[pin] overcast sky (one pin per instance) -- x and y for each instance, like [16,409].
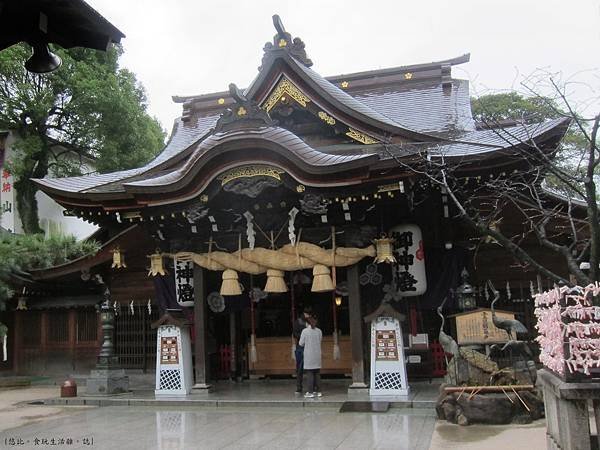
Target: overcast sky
[186,47]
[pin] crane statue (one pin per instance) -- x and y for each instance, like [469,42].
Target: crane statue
[511,326]
[446,341]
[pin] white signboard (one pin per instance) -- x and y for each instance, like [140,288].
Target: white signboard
[410,256]
[184,282]
[388,366]
[173,361]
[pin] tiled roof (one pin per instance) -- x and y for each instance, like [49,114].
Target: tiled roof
[479,142]
[427,108]
[437,107]
[182,137]
[296,146]
[345,98]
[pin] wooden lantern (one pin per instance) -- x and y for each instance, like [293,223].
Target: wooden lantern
[156,265]
[384,250]
[118,259]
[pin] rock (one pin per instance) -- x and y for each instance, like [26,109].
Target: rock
[489,408]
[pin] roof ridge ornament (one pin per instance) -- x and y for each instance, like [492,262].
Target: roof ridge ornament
[244,113]
[283,41]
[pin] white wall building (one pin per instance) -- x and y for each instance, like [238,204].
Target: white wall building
[50,213]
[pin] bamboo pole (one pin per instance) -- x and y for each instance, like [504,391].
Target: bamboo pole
[481,389]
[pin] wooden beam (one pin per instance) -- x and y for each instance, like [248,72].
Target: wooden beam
[356,329]
[200,368]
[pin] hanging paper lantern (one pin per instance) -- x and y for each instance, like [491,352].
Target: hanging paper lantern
[156,265]
[22,304]
[322,281]
[118,259]
[230,285]
[384,250]
[410,260]
[275,281]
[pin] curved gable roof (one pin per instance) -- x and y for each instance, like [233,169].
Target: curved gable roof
[290,146]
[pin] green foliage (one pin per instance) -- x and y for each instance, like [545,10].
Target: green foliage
[493,109]
[89,112]
[20,253]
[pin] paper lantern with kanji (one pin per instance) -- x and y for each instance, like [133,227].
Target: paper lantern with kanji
[410,259]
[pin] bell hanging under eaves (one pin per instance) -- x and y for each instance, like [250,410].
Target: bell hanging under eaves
[42,60]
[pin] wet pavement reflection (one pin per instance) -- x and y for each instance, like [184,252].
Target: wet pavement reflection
[164,428]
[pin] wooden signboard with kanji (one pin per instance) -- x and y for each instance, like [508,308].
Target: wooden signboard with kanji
[169,353]
[476,327]
[386,349]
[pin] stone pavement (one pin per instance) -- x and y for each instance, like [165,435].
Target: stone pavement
[447,436]
[263,393]
[164,426]
[15,410]
[184,428]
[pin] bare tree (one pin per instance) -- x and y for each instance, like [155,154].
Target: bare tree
[549,189]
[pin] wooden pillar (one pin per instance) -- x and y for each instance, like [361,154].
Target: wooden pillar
[200,368]
[44,338]
[356,329]
[72,321]
[18,343]
[233,346]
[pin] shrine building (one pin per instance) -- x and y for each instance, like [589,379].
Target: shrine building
[299,191]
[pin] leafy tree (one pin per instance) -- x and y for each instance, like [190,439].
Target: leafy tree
[89,112]
[20,253]
[512,106]
[496,109]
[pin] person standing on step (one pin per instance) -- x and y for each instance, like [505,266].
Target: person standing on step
[300,324]
[310,339]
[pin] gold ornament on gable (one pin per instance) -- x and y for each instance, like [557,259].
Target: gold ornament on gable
[283,88]
[250,171]
[326,118]
[360,137]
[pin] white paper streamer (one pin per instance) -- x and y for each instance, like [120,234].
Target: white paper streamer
[291,228]
[250,233]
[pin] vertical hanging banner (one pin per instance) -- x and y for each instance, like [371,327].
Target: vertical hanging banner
[184,282]
[410,257]
[7,201]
